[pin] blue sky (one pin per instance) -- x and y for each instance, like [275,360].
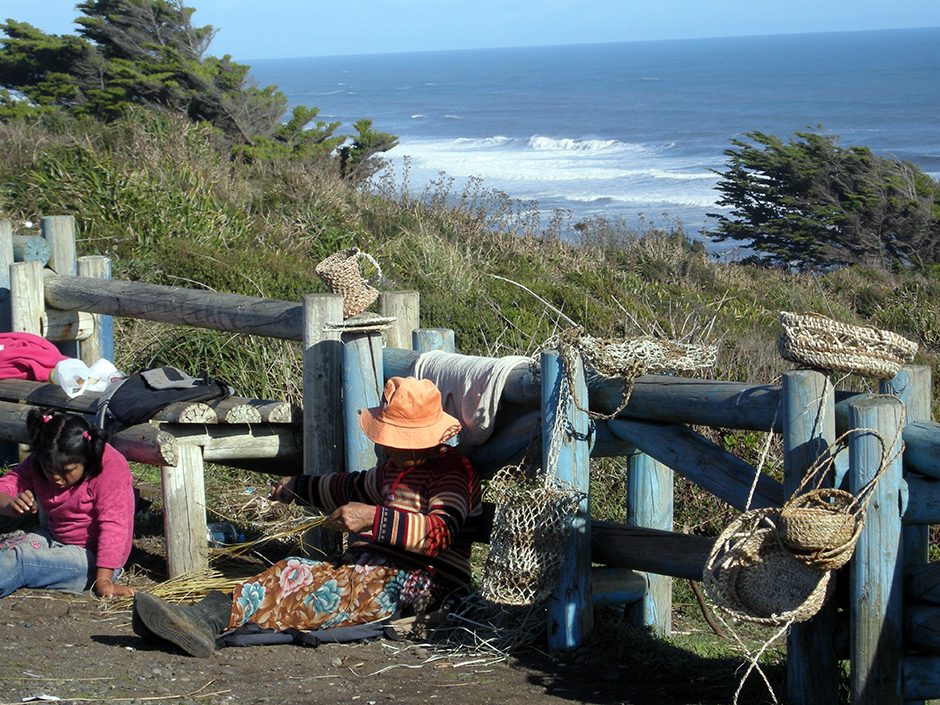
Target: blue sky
[262,29]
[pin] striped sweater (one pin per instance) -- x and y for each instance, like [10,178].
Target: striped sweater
[426,516]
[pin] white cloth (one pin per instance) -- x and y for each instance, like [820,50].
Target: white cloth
[470,386]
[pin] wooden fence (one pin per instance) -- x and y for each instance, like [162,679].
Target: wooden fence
[890,636]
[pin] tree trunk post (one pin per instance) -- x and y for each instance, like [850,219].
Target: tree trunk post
[809,429]
[59,231]
[404,307]
[323,398]
[101,344]
[26,298]
[566,457]
[875,627]
[650,505]
[362,389]
[184,512]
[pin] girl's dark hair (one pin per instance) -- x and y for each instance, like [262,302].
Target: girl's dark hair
[58,439]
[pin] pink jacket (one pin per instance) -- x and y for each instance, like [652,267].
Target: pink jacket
[97,514]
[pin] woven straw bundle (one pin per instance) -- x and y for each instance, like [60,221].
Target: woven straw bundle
[342,274]
[821,527]
[816,341]
[752,577]
[530,534]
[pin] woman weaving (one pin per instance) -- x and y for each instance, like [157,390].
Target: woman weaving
[416,514]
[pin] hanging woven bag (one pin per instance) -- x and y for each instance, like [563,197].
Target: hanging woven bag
[342,273]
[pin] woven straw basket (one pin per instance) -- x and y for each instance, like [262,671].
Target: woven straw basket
[752,577]
[821,527]
[816,341]
[342,274]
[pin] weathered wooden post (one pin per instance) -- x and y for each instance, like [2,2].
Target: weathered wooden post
[404,307]
[809,430]
[101,343]
[26,298]
[650,505]
[363,381]
[566,434]
[59,232]
[875,590]
[323,397]
[184,512]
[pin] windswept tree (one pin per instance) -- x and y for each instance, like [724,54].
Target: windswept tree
[148,52]
[810,202]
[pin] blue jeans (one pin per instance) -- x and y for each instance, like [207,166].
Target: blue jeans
[36,560]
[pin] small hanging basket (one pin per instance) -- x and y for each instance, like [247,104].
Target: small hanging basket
[821,527]
[342,274]
[752,577]
[820,342]
[530,535]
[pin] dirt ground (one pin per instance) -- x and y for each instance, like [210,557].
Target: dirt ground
[74,648]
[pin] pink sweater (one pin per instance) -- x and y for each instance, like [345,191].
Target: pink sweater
[97,514]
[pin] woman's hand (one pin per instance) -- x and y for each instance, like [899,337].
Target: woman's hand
[283,491]
[351,518]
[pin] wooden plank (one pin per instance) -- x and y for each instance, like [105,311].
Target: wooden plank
[922,448]
[235,410]
[178,305]
[566,457]
[922,626]
[147,443]
[261,410]
[875,569]
[27,391]
[706,464]
[921,677]
[612,585]
[59,232]
[227,443]
[66,326]
[650,550]
[404,307]
[809,429]
[186,412]
[923,500]
[31,248]
[922,582]
[507,446]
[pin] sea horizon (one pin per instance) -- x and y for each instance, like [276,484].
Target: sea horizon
[632,131]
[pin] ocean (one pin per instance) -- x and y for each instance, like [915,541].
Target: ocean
[626,131]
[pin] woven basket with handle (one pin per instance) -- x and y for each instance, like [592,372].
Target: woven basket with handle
[342,273]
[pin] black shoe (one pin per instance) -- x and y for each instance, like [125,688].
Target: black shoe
[191,627]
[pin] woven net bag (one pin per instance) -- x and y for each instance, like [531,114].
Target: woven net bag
[821,527]
[752,577]
[816,341]
[342,273]
[530,534]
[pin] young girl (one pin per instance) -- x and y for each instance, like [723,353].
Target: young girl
[84,488]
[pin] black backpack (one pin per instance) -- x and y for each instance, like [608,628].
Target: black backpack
[141,395]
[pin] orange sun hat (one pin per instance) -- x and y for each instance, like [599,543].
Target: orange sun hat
[410,417]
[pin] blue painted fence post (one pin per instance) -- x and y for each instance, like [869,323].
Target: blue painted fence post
[650,504]
[809,429]
[875,627]
[363,380]
[567,459]
[101,343]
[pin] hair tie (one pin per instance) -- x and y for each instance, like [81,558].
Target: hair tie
[46,418]
[86,435]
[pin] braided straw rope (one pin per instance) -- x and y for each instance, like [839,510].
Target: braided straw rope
[341,273]
[816,341]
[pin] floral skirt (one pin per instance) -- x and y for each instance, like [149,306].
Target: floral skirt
[306,594]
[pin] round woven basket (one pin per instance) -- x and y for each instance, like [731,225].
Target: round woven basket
[752,577]
[342,273]
[821,527]
[816,341]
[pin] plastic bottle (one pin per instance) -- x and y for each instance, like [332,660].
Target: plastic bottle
[223,533]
